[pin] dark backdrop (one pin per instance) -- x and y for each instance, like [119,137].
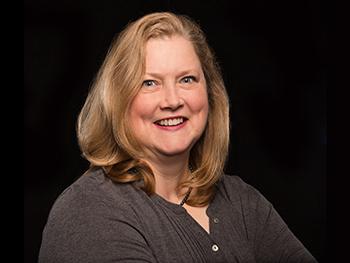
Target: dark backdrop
[272,55]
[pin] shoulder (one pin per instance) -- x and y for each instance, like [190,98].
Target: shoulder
[85,189]
[88,219]
[235,189]
[93,194]
[235,186]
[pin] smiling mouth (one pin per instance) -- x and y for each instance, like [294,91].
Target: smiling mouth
[170,122]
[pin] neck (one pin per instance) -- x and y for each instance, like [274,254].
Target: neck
[168,173]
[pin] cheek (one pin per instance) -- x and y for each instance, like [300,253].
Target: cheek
[135,112]
[141,109]
[199,103]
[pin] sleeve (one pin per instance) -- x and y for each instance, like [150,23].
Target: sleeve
[272,240]
[84,228]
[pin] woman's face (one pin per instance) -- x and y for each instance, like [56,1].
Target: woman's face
[169,113]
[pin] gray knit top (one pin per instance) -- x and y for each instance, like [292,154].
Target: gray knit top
[97,220]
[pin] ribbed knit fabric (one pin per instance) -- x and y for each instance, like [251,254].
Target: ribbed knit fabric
[97,220]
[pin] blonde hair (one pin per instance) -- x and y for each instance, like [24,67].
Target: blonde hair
[104,136]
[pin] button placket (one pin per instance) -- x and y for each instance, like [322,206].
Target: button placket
[214,246]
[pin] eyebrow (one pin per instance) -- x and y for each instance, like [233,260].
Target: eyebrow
[181,73]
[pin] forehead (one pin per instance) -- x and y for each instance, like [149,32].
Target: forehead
[170,53]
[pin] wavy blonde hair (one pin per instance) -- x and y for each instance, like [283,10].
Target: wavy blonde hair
[105,137]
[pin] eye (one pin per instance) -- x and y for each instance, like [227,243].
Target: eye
[188,79]
[148,83]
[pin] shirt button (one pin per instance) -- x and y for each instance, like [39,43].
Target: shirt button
[216,220]
[215,248]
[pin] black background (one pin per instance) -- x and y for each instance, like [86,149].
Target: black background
[272,55]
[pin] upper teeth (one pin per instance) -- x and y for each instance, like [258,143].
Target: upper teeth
[171,122]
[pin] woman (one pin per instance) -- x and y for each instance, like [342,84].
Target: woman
[155,128]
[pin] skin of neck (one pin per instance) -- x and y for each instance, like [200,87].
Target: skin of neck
[169,171]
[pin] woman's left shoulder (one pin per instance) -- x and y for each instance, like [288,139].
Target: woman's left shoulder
[233,183]
[237,189]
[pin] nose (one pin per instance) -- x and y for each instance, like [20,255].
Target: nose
[170,97]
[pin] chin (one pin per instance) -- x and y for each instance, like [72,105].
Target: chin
[173,148]
[174,151]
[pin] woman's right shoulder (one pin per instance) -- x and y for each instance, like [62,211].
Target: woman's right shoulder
[92,191]
[86,217]
[86,185]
